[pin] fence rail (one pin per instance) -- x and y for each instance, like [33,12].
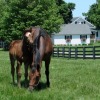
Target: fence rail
[90,52]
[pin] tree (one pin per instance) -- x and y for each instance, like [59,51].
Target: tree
[21,14]
[93,15]
[3,15]
[65,10]
[26,13]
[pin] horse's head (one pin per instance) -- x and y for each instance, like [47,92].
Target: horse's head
[34,77]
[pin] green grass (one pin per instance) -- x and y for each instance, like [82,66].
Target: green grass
[70,80]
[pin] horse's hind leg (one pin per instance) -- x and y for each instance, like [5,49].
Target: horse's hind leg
[47,72]
[18,72]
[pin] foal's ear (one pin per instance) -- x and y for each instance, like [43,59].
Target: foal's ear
[32,29]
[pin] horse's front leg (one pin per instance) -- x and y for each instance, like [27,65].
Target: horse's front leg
[18,72]
[47,72]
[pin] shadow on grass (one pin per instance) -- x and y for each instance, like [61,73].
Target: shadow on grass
[40,86]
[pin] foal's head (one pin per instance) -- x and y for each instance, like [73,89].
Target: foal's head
[27,37]
[31,34]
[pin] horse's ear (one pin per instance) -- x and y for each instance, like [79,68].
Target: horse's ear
[26,30]
[32,29]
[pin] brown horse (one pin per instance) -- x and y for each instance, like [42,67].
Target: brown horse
[15,53]
[41,47]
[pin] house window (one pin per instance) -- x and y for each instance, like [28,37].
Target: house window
[96,34]
[83,37]
[79,22]
[68,38]
[92,36]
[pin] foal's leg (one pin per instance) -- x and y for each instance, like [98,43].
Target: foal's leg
[26,73]
[18,72]
[47,72]
[12,69]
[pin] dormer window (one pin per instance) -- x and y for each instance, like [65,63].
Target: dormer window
[84,22]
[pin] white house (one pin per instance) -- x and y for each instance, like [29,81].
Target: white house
[77,32]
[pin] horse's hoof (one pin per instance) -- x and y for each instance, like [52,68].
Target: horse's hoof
[39,86]
[31,89]
[48,84]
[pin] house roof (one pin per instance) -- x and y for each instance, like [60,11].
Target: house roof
[74,18]
[79,19]
[70,29]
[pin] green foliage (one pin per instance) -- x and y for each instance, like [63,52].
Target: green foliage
[18,15]
[26,13]
[65,10]
[93,15]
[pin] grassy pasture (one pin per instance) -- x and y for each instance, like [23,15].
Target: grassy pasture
[70,80]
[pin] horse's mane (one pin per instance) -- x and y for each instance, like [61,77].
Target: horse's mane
[36,60]
[42,33]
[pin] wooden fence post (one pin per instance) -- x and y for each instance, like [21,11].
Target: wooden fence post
[69,52]
[83,52]
[76,52]
[93,52]
[63,51]
[53,52]
[57,51]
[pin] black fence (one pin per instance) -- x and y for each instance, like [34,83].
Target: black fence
[88,52]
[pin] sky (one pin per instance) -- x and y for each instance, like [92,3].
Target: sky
[81,6]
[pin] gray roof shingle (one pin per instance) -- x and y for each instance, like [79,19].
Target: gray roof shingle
[75,29]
